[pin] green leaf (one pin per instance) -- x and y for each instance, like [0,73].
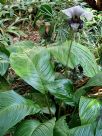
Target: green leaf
[35,128]
[85,130]
[61,127]
[99,128]
[40,99]
[3,1]
[33,67]
[4,63]
[15,31]
[89,110]
[78,93]
[95,81]
[21,46]
[14,108]
[62,89]
[46,10]
[79,55]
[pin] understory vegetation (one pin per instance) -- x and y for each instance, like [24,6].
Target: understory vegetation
[50,68]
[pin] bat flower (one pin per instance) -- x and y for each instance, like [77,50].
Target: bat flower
[75,13]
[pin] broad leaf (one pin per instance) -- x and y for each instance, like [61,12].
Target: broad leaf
[4,63]
[61,127]
[62,89]
[79,55]
[35,128]
[99,128]
[85,130]
[14,108]
[35,68]
[21,46]
[89,110]
[40,99]
[95,81]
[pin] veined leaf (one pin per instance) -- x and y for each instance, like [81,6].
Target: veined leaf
[21,46]
[35,68]
[79,55]
[99,128]
[15,31]
[46,10]
[4,63]
[85,130]
[89,110]
[95,81]
[35,128]
[61,127]
[62,89]
[13,108]
[40,99]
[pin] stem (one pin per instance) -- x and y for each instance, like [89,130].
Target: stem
[59,111]
[69,52]
[48,104]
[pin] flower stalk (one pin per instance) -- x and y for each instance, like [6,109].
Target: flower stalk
[69,52]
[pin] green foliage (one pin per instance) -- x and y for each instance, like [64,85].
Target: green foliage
[21,46]
[79,55]
[99,128]
[13,108]
[4,63]
[61,127]
[46,10]
[89,110]
[3,1]
[34,68]
[85,130]
[54,79]
[94,81]
[35,128]
[62,89]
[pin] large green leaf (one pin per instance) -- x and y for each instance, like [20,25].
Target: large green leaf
[89,110]
[62,89]
[21,46]
[4,63]
[35,128]
[34,67]
[14,108]
[85,130]
[79,55]
[93,129]
[95,81]
[61,127]
[99,128]
[40,99]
